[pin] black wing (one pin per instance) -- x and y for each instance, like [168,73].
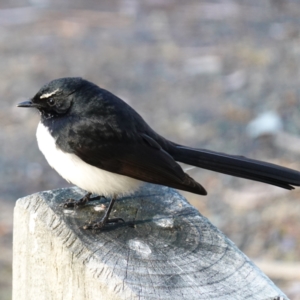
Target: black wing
[132,154]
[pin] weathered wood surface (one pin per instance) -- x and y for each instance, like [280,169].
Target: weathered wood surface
[172,253]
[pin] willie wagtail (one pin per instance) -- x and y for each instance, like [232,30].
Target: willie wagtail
[96,141]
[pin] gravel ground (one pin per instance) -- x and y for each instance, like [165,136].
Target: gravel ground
[198,71]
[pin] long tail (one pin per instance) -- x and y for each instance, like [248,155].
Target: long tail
[238,166]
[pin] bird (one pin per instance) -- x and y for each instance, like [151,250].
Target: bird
[96,141]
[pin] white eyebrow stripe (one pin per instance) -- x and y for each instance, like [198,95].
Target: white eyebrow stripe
[47,95]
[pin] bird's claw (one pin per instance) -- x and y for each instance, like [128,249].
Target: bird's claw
[71,203]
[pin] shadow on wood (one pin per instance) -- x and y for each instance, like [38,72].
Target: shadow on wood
[172,252]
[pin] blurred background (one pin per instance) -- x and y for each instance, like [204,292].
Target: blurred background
[222,75]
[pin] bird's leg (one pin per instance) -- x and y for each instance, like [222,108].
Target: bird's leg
[105,219]
[81,202]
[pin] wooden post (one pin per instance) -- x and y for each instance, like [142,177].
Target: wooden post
[172,252]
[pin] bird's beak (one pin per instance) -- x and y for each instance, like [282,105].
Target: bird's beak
[26,104]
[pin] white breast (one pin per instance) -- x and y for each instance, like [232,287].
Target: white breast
[76,171]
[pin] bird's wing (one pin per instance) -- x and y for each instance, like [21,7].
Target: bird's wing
[137,156]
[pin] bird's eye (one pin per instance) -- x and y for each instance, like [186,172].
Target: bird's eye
[51,101]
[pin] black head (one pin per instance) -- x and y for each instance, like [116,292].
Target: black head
[55,98]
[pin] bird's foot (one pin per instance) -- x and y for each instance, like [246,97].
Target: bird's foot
[72,203]
[105,219]
[99,225]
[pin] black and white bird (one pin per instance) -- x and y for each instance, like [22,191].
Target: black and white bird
[96,141]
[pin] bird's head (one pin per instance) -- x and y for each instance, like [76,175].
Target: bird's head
[55,98]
